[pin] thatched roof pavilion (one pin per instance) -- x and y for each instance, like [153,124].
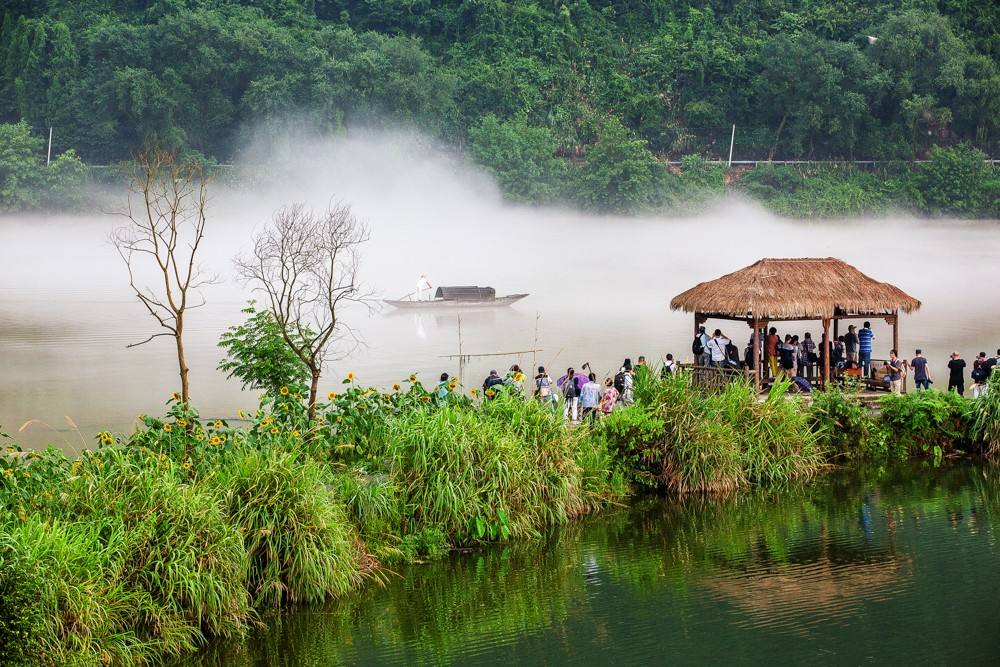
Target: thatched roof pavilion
[770,290]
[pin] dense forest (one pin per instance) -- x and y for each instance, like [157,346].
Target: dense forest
[579,100]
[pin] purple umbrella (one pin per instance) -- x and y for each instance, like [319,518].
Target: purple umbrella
[578,378]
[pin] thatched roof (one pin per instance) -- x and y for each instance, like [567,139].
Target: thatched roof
[794,288]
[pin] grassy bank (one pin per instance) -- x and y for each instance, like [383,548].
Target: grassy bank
[184,530]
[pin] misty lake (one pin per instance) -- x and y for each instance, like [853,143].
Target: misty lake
[599,287]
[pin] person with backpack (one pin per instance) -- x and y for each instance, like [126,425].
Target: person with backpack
[786,355]
[716,348]
[980,373]
[698,348]
[809,354]
[669,367]
[571,395]
[543,388]
[956,374]
[866,338]
[491,385]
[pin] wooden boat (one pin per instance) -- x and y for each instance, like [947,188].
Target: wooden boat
[463,296]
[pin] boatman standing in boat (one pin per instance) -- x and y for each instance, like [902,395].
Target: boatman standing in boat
[422,285]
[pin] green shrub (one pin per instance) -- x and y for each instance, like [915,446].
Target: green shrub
[846,427]
[927,422]
[301,545]
[986,417]
[688,441]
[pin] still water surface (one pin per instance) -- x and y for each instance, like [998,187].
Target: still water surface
[861,567]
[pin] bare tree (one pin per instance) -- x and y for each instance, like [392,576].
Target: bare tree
[306,263]
[159,244]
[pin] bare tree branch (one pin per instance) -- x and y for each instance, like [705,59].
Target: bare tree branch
[306,264]
[164,230]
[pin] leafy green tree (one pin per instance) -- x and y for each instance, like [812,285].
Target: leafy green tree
[619,174]
[957,180]
[521,157]
[258,356]
[25,181]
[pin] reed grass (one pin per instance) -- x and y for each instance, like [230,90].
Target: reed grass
[299,541]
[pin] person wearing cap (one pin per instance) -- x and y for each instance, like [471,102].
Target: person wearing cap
[956,377]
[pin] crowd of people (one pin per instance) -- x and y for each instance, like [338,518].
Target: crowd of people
[585,398]
[850,355]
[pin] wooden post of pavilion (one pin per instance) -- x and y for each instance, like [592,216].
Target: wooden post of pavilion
[826,352]
[756,354]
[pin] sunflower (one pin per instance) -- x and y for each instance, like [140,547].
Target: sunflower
[181,422]
[412,379]
[177,396]
[215,440]
[168,427]
[283,391]
[395,387]
[186,465]
[452,386]
[425,399]
[350,376]
[490,393]
[519,377]
[332,395]
[218,423]
[199,437]
[274,430]
[295,434]
[339,419]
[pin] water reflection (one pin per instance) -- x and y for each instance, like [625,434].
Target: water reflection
[897,566]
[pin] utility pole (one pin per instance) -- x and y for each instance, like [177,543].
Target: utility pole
[48,158]
[732,139]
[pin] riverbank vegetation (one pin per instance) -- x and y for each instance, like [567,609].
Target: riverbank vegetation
[577,102]
[184,530]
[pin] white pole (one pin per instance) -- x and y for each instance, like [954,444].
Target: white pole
[48,158]
[731,140]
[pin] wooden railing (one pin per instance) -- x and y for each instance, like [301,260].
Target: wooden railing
[714,379]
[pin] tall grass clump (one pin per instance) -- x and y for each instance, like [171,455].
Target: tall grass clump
[300,543]
[688,441]
[986,417]
[504,471]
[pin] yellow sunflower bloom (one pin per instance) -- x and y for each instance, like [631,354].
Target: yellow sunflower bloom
[274,431]
[395,387]
[215,440]
[332,395]
[218,423]
[295,434]
[199,437]
[283,391]
[168,427]
[181,422]
[412,379]
[350,376]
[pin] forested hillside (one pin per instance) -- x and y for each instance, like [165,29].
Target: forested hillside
[579,100]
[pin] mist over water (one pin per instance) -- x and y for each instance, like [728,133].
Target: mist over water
[600,286]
